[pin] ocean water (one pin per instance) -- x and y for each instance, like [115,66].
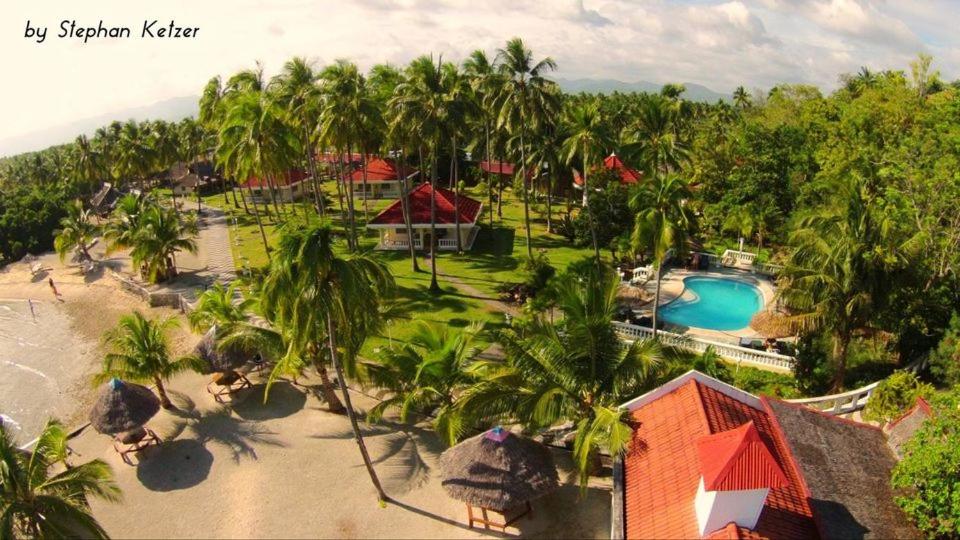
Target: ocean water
[714,304]
[41,366]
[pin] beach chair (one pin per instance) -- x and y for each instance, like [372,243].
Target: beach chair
[226,384]
[35,268]
[133,441]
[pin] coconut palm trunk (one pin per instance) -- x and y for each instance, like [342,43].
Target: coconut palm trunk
[351,211]
[366,193]
[434,285]
[329,390]
[486,129]
[656,296]
[456,193]
[405,206]
[523,184]
[164,399]
[358,435]
[586,203]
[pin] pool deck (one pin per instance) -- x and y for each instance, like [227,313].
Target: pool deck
[672,288]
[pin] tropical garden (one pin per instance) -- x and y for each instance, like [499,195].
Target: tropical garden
[852,193]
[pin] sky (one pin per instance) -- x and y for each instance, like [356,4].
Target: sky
[720,44]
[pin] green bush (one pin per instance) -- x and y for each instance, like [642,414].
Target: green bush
[927,480]
[945,359]
[894,395]
[767,383]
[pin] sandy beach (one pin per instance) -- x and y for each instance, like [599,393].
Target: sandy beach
[47,361]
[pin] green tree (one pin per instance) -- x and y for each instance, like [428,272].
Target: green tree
[140,352]
[220,306]
[576,370]
[76,232]
[40,498]
[159,236]
[319,297]
[425,374]
[927,481]
[894,395]
[587,136]
[741,98]
[523,101]
[664,222]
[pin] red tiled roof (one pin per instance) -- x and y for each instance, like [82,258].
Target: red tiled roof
[662,471]
[380,170]
[420,208]
[292,176]
[737,459]
[498,167]
[334,157]
[614,163]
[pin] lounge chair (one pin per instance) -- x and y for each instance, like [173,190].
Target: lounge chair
[133,441]
[36,267]
[226,384]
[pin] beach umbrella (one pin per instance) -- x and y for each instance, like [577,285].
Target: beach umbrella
[123,406]
[218,359]
[498,470]
[772,324]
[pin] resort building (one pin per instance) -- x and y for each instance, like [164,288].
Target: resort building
[497,167]
[187,179]
[393,232]
[708,460]
[105,199]
[288,187]
[382,179]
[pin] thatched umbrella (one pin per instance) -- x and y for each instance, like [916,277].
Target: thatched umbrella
[218,359]
[773,324]
[498,470]
[632,297]
[122,407]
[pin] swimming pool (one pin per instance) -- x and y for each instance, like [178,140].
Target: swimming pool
[716,304]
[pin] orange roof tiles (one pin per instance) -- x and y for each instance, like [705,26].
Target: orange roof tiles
[737,459]
[662,471]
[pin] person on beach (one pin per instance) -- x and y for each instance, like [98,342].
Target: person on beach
[53,288]
[32,312]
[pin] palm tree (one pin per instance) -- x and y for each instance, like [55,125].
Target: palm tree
[425,375]
[76,232]
[125,222]
[663,223]
[297,90]
[523,100]
[89,164]
[319,297]
[484,82]
[420,101]
[218,306]
[42,497]
[656,137]
[844,261]
[400,135]
[741,98]
[576,370]
[588,137]
[189,147]
[159,236]
[140,352]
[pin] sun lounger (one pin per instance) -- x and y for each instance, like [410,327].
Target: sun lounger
[36,267]
[133,441]
[226,384]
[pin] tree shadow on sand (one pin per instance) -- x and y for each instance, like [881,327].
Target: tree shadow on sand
[174,465]
[283,400]
[403,454]
[239,437]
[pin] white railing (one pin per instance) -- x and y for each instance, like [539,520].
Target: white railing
[732,257]
[389,243]
[447,243]
[642,273]
[714,259]
[767,269]
[851,400]
[727,351]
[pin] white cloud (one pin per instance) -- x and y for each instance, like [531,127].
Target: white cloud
[721,44]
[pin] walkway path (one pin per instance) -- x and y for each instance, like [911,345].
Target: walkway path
[213,261]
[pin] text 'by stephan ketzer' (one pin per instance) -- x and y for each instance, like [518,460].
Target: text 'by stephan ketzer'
[71,29]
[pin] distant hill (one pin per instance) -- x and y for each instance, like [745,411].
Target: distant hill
[171,110]
[695,92]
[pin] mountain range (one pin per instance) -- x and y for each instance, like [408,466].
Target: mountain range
[175,109]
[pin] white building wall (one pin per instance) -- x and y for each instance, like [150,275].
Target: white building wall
[715,509]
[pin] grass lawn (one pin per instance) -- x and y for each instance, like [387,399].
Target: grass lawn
[496,257]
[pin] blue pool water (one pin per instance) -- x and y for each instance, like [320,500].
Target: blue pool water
[717,304]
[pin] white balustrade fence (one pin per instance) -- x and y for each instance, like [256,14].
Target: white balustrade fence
[727,351]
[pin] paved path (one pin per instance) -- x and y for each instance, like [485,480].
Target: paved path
[213,261]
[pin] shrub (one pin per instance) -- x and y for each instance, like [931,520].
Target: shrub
[927,480]
[894,395]
[538,271]
[767,383]
[945,359]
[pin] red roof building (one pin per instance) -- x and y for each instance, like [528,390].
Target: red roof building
[711,461]
[291,177]
[382,179]
[393,231]
[287,186]
[498,167]
[614,163]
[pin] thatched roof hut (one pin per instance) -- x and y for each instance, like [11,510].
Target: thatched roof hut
[218,359]
[633,297]
[498,470]
[123,406]
[773,324]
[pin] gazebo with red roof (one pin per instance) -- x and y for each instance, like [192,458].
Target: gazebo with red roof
[383,179]
[393,233]
[613,162]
